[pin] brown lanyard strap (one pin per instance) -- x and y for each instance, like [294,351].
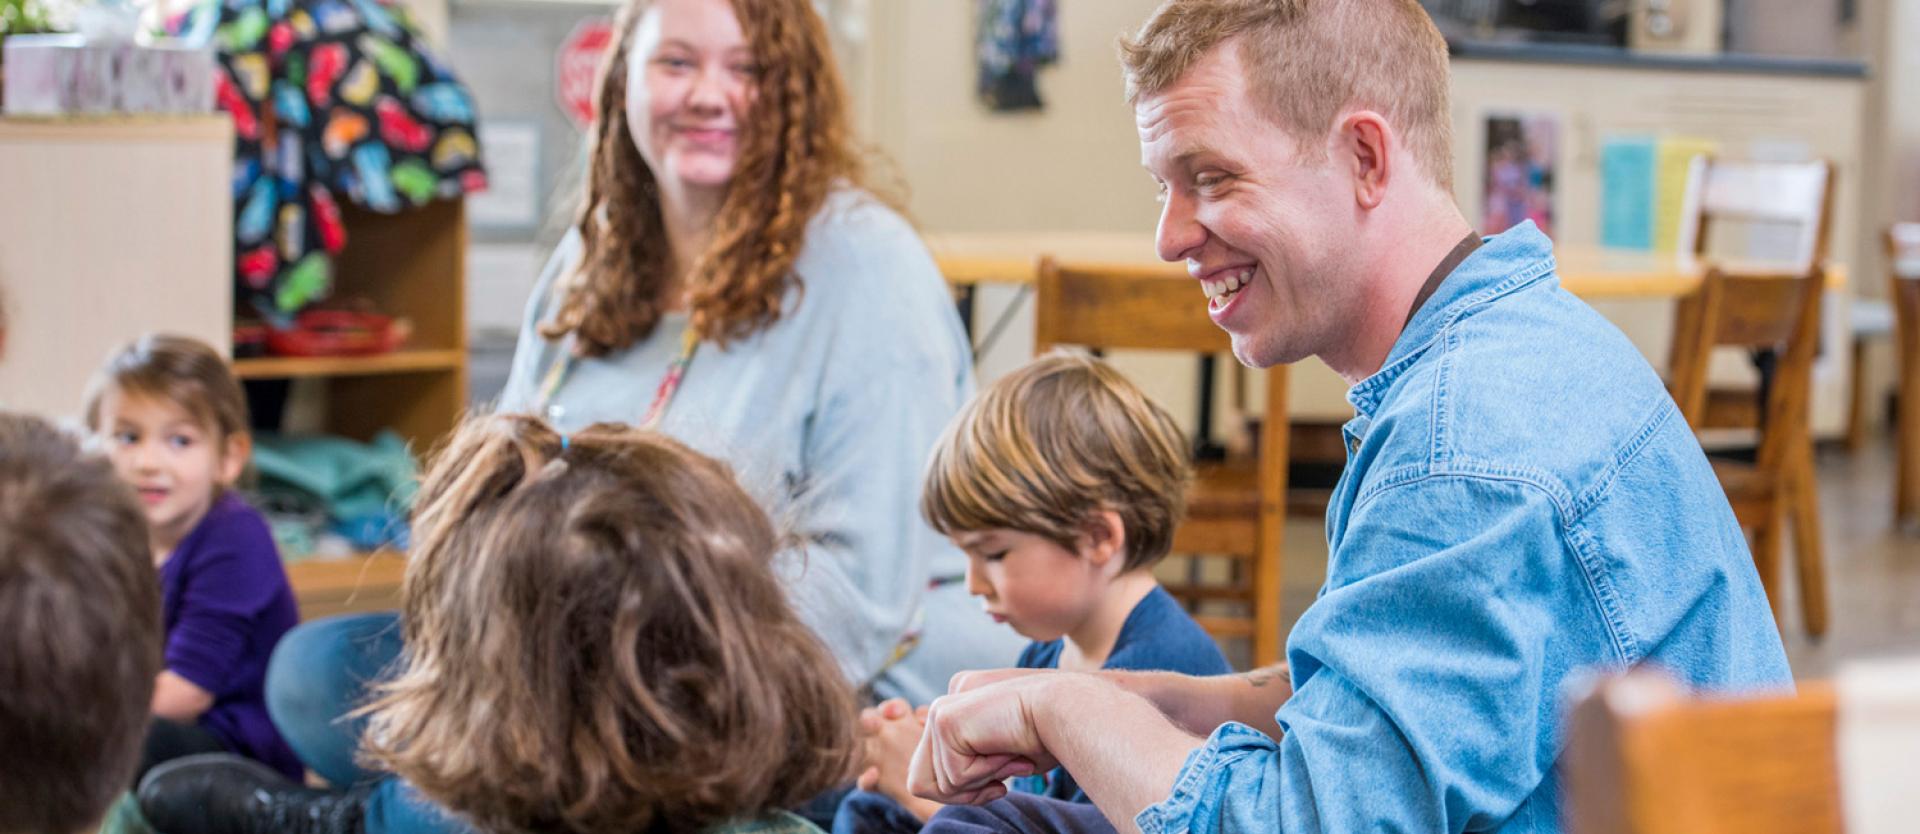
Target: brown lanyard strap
[1439,275]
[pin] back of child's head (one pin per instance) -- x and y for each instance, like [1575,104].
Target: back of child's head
[597,642]
[79,631]
[1046,447]
[175,369]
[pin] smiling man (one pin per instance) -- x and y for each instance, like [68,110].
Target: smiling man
[1522,500]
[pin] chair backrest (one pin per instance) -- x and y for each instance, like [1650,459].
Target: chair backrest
[1799,194]
[1644,757]
[1123,307]
[1903,284]
[1136,308]
[1777,312]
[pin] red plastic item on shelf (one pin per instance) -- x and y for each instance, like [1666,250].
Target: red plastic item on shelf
[338,333]
[249,340]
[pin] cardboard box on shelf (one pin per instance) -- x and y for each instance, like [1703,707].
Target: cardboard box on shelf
[53,75]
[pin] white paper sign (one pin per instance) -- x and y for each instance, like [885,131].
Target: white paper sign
[512,198]
[1879,746]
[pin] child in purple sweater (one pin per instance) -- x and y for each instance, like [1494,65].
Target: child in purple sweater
[174,422]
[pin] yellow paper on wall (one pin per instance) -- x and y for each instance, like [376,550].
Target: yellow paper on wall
[1672,156]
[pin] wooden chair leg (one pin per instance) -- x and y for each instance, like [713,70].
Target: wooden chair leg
[1902,474]
[1857,410]
[1266,585]
[1808,555]
[1766,558]
[1907,445]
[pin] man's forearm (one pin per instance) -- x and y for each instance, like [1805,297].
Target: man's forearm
[1119,747]
[1199,705]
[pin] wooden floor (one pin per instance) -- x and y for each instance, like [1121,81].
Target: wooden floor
[1873,570]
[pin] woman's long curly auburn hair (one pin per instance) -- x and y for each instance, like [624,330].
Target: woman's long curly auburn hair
[596,642]
[795,146]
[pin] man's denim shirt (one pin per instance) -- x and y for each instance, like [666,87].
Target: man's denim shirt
[1522,502]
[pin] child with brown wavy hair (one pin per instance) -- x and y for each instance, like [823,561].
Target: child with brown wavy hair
[596,643]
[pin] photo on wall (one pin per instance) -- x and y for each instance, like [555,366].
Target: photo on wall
[1521,162]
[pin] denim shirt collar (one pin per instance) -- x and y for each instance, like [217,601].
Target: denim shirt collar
[1505,262]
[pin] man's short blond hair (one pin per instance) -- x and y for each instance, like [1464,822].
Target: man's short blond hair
[1047,447]
[1310,59]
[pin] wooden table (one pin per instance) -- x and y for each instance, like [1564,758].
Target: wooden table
[1591,273]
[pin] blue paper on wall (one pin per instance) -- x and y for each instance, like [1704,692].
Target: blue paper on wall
[1626,193]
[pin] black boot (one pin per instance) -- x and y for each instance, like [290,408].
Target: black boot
[219,793]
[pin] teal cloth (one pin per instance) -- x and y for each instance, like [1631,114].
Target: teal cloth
[123,817]
[347,478]
[775,822]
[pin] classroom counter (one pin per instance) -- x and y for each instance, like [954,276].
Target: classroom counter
[1596,55]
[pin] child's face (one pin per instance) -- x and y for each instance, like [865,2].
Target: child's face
[1043,590]
[173,461]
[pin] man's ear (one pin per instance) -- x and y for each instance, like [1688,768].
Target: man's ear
[1366,147]
[1103,539]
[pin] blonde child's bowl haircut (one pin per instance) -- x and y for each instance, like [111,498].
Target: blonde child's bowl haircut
[1046,447]
[596,642]
[175,369]
[1310,59]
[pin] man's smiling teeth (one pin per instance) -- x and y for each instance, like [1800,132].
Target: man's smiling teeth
[1217,289]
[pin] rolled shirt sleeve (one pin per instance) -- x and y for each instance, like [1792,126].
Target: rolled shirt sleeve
[1426,676]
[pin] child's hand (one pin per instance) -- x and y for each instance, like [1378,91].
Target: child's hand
[892,731]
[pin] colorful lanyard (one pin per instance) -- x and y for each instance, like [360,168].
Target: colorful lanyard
[558,372]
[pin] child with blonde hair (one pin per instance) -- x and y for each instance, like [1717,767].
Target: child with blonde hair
[174,422]
[1063,483]
[596,644]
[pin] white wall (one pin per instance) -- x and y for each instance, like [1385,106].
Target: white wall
[83,274]
[1073,166]
[1077,162]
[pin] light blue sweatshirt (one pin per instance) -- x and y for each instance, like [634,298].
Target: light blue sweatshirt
[827,417]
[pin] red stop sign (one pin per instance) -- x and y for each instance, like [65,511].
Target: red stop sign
[577,68]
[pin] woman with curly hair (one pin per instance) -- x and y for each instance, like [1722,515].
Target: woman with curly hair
[730,282]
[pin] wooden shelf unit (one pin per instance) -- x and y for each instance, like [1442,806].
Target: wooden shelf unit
[405,360]
[363,582]
[410,265]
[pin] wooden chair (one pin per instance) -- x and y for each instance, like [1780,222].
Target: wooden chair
[1643,757]
[1729,194]
[1903,290]
[1779,313]
[1775,314]
[1236,508]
